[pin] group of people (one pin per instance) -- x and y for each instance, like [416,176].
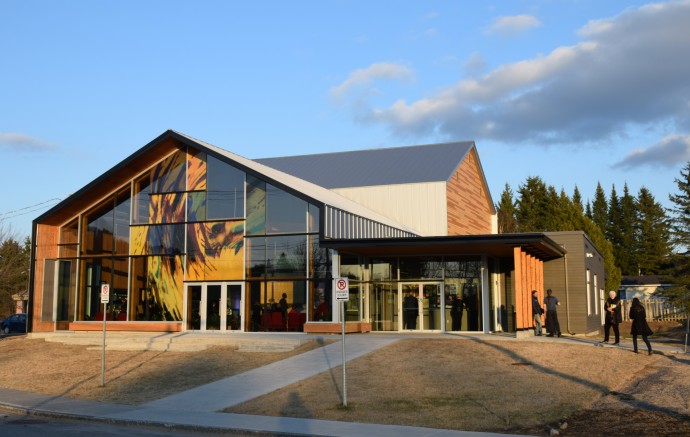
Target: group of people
[612,318]
[551,303]
[637,315]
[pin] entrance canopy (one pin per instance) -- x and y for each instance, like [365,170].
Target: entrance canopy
[498,245]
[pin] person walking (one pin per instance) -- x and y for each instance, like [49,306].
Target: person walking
[638,316]
[551,303]
[537,311]
[612,309]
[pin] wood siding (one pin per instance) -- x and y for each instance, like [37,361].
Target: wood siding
[468,200]
[46,248]
[529,275]
[113,181]
[421,207]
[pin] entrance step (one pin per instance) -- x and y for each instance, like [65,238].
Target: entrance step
[175,342]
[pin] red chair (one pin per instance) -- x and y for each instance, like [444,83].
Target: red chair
[275,323]
[122,316]
[294,321]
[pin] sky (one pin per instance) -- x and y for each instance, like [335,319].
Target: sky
[576,92]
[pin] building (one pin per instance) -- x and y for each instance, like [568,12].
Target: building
[188,236]
[643,287]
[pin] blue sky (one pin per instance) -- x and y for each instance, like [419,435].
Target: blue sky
[575,92]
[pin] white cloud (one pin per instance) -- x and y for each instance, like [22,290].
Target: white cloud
[512,25]
[629,71]
[666,153]
[365,76]
[23,143]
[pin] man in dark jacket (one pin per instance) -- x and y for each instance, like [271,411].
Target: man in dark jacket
[551,303]
[537,311]
[612,311]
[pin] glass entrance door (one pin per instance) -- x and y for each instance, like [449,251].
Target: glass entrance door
[383,307]
[214,306]
[421,306]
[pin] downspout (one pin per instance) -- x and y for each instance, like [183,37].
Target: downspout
[567,293]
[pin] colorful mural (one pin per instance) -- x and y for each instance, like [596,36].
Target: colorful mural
[215,251]
[196,170]
[256,206]
[169,175]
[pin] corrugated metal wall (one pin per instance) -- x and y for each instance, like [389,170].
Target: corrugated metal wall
[340,224]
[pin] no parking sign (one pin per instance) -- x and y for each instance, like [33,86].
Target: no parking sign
[342,289]
[105,293]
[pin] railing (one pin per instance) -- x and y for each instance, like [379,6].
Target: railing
[656,310]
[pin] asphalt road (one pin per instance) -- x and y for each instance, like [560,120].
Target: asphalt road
[36,426]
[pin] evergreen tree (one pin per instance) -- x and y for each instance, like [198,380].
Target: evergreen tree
[600,208]
[653,242]
[571,212]
[596,234]
[505,211]
[577,200]
[680,237]
[556,211]
[532,206]
[680,221]
[625,246]
[612,230]
[14,270]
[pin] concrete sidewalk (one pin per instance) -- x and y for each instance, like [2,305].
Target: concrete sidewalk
[196,409]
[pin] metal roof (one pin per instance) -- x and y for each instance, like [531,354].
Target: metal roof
[363,168]
[307,188]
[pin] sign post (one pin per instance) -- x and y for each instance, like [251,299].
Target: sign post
[342,295]
[105,298]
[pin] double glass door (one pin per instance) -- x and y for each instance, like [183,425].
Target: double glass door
[421,306]
[214,306]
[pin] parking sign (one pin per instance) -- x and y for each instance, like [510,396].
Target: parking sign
[105,293]
[342,289]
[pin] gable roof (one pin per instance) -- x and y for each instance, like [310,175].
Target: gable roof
[118,175]
[363,168]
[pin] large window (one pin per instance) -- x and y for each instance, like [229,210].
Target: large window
[69,240]
[99,227]
[121,222]
[225,190]
[277,257]
[285,213]
[169,175]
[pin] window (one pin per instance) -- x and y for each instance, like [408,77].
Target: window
[225,190]
[285,213]
[588,289]
[169,175]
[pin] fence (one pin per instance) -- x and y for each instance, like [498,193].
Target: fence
[656,310]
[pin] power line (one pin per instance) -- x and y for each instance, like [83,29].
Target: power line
[29,209]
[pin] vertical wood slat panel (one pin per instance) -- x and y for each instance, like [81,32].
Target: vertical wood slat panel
[46,248]
[517,281]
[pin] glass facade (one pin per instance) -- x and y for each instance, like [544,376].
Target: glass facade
[431,293]
[194,218]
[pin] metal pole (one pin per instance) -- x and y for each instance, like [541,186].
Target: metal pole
[342,319]
[103,354]
[687,329]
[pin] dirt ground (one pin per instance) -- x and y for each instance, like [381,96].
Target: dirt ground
[130,377]
[484,385]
